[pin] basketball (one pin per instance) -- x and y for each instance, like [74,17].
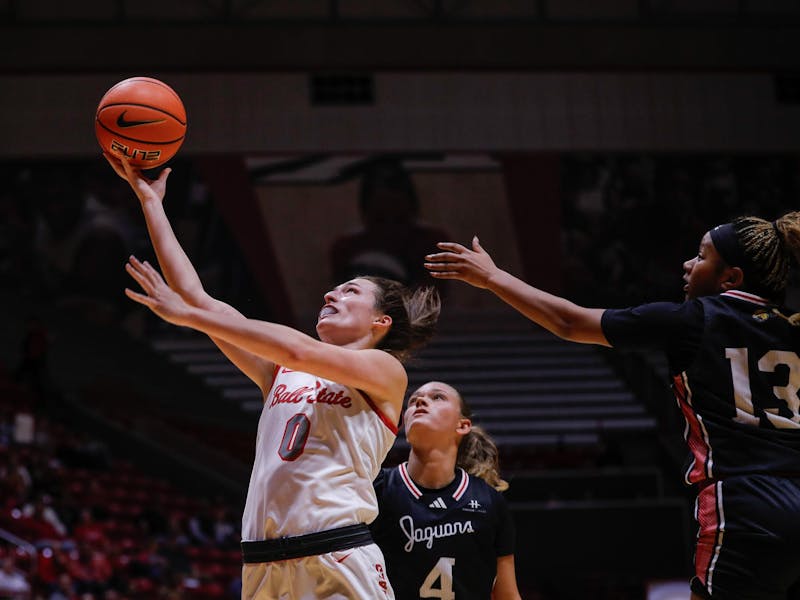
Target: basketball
[142,119]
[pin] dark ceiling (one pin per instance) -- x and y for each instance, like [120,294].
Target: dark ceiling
[244,35]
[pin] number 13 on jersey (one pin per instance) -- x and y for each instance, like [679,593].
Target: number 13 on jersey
[783,414]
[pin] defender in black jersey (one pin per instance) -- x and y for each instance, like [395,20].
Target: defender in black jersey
[443,532]
[735,365]
[734,360]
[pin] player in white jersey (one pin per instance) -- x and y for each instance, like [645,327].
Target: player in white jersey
[329,417]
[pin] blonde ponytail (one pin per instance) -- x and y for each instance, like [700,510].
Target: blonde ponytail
[478,456]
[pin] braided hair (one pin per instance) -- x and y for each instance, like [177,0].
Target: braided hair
[771,249]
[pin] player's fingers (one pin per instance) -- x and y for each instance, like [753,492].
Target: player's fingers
[440,266]
[140,298]
[139,265]
[126,165]
[476,244]
[119,167]
[144,268]
[135,263]
[152,273]
[440,257]
[135,270]
[116,165]
[444,274]
[162,177]
[132,172]
[451,246]
[139,276]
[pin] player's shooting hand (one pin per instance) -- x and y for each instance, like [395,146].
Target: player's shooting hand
[147,190]
[474,266]
[158,296]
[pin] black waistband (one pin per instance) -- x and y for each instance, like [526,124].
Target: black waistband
[310,544]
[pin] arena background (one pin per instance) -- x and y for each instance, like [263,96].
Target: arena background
[586,142]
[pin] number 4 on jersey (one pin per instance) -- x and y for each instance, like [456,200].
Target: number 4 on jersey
[442,572]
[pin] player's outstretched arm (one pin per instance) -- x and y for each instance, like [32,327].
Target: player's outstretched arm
[175,264]
[178,270]
[505,584]
[374,371]
[558,315]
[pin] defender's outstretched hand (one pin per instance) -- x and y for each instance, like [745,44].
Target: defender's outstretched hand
[474,266]
[158,296]
[147,190]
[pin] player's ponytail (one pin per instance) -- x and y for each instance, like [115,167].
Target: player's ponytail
[478,456]
[477,453]
[788,228]
[769,249]
[414,315]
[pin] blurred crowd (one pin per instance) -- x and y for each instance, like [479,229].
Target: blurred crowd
[77,524]
[67,228]
[631,220]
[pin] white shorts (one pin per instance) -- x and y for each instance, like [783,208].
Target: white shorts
[353,574]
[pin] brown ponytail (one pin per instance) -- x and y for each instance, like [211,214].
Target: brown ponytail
[414,315]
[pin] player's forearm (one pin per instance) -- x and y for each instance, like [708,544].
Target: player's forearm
[178,270]
[542,308]
[277,343]
[558,315]
[505,584]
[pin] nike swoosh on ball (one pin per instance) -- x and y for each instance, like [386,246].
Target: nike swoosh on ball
[123,123]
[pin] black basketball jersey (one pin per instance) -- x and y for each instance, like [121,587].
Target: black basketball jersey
[441,543]
[735,373]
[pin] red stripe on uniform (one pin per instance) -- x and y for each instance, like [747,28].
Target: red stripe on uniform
[275,371]
[462,487]
[711,527]
[695,436]
[392,427]
[412,487]
[746,296]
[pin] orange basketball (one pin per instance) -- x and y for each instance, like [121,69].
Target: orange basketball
[143,119]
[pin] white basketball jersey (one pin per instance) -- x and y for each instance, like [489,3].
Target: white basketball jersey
[319,447]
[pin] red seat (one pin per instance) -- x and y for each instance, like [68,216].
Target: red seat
[141,585]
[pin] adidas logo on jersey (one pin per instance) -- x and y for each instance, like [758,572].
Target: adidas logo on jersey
[438,503]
